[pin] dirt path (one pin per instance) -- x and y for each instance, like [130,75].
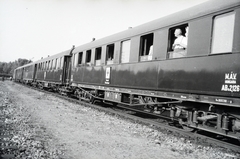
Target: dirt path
[72,131]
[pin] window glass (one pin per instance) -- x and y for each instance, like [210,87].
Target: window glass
[61,63]
[125,51]
[73,60]
[222,38]
[56,64]
[76,60]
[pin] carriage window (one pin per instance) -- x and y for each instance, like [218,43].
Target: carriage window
[146,47]
[61,63]
[110,54]
[73,60]
[53,64]
[49,65]
[178,38]
[57,63]
[98,54]
[80,54]
[222,38]
[46,65]
[56,60]
[125,51]
[88,56]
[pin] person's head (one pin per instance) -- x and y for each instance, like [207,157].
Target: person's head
[186,34]
[178,32]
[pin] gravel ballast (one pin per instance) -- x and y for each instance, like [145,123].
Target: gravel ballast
[45,126]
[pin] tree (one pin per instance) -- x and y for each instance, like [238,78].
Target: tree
[8,68]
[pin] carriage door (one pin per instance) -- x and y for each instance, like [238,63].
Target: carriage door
[66,70]
[22,73]
[35,71]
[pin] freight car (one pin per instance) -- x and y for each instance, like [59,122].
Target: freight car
[195,83]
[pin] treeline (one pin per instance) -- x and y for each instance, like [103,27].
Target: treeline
[8,68]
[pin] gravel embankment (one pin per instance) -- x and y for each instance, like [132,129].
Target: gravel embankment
[44,126]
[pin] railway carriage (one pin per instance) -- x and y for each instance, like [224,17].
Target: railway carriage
[197,86]
[25,74]
[17,75]
[53,71]
[138,68]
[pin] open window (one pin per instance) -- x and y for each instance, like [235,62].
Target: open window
[177,42]
[98,54]
[80,55]
[223,29]
[88,56]
[48,65]
[146,47]
[110,54]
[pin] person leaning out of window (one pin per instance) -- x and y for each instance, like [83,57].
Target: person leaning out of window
[180,43]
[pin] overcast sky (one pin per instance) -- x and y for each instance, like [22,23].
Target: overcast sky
[32,29]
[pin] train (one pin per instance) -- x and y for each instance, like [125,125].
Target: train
[197,85]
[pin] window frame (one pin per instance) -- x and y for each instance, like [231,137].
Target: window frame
[216,35]
[110,50]
[88,56]
[129,50]
[172,38]
[146,43]
[80,58]
[98,57]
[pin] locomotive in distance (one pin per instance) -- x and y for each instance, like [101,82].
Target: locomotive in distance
[184,66]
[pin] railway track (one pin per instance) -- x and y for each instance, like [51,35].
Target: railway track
[157,123]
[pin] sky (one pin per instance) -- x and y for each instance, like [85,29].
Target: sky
[31,29]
